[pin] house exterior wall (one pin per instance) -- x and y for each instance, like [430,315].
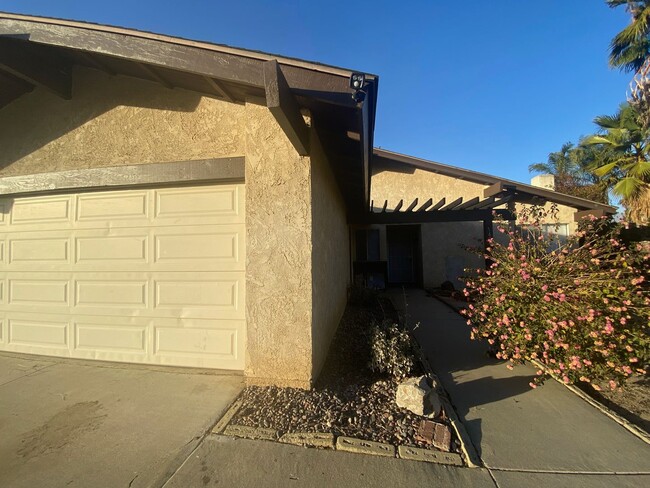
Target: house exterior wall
[295,289]
[113,121]
[279,246]
[330,255]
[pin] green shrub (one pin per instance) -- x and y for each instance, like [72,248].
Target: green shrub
[582,309]
[392,350]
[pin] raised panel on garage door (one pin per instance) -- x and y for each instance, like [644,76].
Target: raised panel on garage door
[148,276]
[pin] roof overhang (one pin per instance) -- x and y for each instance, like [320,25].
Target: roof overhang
[36,51]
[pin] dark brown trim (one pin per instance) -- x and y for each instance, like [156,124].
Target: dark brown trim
[425,217]
[578,216]
[284,107]
[219,169]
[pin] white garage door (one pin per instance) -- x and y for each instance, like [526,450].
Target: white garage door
[146,276]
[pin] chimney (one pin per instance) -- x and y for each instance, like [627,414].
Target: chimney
[544,181]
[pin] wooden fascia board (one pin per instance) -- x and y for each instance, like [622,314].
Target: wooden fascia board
[427,217]
[22,61]
[220,169]
[330,86]
[284,107]
[598,213]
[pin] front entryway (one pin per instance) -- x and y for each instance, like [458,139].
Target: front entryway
[404,255]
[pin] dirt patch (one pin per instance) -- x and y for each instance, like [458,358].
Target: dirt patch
[632,401]
[348,399]
[62,429]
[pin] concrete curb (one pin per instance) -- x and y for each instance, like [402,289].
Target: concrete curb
[309,439]
[360,446]
[417,454]
[227,417]
[633,429]
[255,433]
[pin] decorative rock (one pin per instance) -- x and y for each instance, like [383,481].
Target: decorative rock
[415,395]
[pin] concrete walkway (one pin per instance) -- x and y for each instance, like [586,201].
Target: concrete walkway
[525,437]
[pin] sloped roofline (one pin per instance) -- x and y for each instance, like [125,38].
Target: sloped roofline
[222,48]
[486,179]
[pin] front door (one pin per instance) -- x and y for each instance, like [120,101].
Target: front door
[403,254]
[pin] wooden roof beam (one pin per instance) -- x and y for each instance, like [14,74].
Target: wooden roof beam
[154,75]
[284,107]
[452,205]
[412,206]
[24,62]
[438,205]
[425,205]
[425,217]
[498,189]
[92,59]
[219,88]
[12,88]
[468,204]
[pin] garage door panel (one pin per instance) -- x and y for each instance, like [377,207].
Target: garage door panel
[202,341]
[217,247]
[111,337]
[114,293]
[150,276]
[41,210]
[224,203]
[108,206]
[38,332]
[39,250]
[109,250]
[38,293]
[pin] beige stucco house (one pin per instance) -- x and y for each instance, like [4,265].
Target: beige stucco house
[172,202]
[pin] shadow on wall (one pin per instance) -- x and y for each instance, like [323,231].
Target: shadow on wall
[39,118]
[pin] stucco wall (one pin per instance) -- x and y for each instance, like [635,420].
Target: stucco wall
[279,255]
[444,258]
[330,256]
[399,181]
[114,121]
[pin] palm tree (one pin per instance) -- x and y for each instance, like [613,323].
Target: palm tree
[630,48]
[625,144]
[571,167]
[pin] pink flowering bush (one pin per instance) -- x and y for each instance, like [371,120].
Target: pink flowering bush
[581,308]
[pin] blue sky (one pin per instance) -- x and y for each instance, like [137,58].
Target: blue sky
[488,85]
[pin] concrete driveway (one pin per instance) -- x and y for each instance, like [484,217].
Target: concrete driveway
[79,423]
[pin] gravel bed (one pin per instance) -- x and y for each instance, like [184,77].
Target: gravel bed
[348,399]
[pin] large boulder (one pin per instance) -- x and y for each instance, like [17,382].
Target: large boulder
[419,397]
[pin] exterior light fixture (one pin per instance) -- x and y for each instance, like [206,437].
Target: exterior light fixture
[357,82]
